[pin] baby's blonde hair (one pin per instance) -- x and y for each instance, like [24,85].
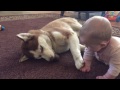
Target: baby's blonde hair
[97,28]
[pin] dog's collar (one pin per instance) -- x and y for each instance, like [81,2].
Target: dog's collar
[52,39]
[50,36]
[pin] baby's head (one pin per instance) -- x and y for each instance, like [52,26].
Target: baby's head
[96,33]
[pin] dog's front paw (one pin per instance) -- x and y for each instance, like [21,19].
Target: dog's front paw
[79,64]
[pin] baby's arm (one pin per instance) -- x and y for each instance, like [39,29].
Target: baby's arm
[87,58]
[112,72]
[106,76]
[114,66]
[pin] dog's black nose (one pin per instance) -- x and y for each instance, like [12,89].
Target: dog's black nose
[54,58]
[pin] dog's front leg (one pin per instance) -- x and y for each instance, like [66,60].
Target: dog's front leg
[75,50]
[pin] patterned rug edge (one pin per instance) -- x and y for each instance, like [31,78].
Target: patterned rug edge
[28,16]
[116,31]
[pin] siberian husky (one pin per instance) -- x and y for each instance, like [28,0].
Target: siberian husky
[56,37]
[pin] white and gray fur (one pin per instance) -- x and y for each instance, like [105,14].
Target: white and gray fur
[56,37]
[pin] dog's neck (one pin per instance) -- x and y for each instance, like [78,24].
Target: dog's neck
[52,40]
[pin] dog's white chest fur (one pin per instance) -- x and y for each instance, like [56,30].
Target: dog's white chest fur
[60,43]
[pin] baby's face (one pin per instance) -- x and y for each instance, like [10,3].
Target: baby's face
[91,45]
[94,47]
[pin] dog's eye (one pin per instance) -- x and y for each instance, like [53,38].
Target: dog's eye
[41,48]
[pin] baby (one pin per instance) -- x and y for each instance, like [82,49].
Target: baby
[96,35]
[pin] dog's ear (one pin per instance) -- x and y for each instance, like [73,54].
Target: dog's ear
[25,36]
[23,58]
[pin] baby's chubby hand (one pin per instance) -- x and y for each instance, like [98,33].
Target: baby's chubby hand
[85,69]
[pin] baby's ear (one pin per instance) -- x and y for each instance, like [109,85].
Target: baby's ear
[25,36]
[104,43]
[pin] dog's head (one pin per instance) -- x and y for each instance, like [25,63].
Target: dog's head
[36,44]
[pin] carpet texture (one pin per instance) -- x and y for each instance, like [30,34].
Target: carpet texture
[10,52]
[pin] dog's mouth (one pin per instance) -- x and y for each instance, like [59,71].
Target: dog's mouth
[56,58]
[52,59]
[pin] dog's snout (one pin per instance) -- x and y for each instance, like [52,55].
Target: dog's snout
[55,58]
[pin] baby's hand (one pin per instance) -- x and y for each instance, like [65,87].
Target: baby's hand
[101,77]
[106,76]
[85,68]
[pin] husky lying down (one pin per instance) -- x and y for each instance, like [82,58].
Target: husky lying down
[56,37]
